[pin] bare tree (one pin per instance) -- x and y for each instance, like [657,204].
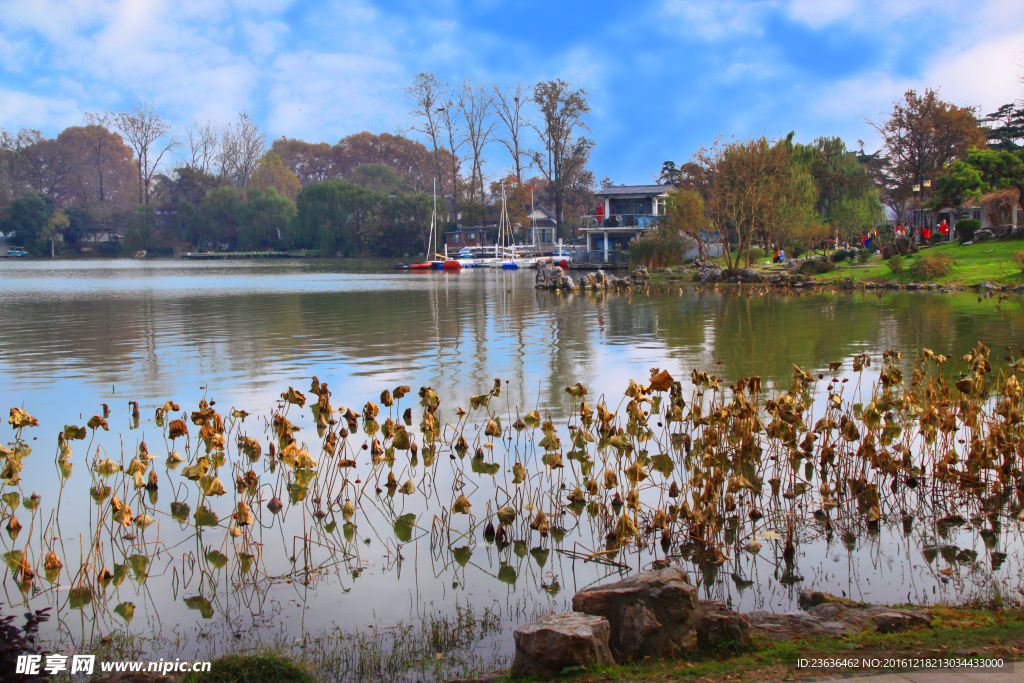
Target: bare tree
[453,134]
[240,148]
[428,94]
[99,123]
[563,157]
[508,104]
[145,130]
[203,140]
[475,103]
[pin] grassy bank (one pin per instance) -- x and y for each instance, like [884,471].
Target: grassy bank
[955,632]
[973,264]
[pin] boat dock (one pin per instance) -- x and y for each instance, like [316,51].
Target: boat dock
[217,255]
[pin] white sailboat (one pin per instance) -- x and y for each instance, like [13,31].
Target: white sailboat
[505,255]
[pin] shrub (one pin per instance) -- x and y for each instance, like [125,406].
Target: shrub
[251,669]
[108,249]
[1018,258]
[966,228]
[16,641]
[863,255]
[816,267]
[896,263]
[931,266]
[756,254]
[658,250]
[842,254]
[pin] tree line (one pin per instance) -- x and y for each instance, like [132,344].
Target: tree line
[935,155]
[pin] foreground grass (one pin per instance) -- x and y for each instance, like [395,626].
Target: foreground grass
[954,632]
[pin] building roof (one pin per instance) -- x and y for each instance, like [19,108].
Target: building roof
[633,190]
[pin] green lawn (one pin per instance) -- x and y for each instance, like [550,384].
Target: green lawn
[974,264]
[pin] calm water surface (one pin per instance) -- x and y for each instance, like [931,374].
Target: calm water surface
[78,335]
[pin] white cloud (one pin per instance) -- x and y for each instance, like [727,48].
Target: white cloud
[335,95]
[715,20]
[23,110]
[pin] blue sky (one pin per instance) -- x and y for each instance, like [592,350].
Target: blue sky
[664,76]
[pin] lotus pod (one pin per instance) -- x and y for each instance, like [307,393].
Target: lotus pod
[408,487]
[461,446]
[143,520]
[348,510]
[152,484]
[391,482]
[177,428]
[506,515]
[214,487]
[611,480]
[518,473]
[13,527]
[244,516]
[461,505]
[754,547]
[492,429]
[577,496]
[593,488]
[52,562]
[385,399]
[235,531]
[540,523]
[673,490]
[635,473]
[275,505]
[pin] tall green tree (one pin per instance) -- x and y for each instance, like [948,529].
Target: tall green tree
[267,219]
[29,217]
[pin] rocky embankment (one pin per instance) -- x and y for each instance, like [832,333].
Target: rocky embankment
[658,614]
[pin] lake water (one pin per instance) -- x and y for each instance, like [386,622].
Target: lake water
[78,335]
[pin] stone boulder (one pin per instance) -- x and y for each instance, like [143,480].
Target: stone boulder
[900,246]
[558,641]
[652,613]
[718,627]
[809,598]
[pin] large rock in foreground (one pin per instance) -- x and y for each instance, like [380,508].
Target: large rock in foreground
[652,613]
[557,641]
[720,628]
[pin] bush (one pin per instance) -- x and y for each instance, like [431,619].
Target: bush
[863,255]
[931,266]
[1018,258]
[756,254]
[842,254]
[16,641]
[108,248]
[966,228]
[251,669]
[896,263]
[658,250]
[816,267]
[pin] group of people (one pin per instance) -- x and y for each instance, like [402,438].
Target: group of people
[780,256]
[926,233]
[868,238]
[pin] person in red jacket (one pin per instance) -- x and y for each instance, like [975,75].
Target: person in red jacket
[926,235]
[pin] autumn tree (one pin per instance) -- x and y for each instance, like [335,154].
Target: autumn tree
[564,158]
[146,132]
[270,172]
[311,162]
[684,214]
[103,167]
[922,137]
[516,198]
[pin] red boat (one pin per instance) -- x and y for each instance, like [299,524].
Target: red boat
[426,265]
[451,264]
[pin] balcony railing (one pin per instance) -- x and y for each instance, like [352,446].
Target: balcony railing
[625,220]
